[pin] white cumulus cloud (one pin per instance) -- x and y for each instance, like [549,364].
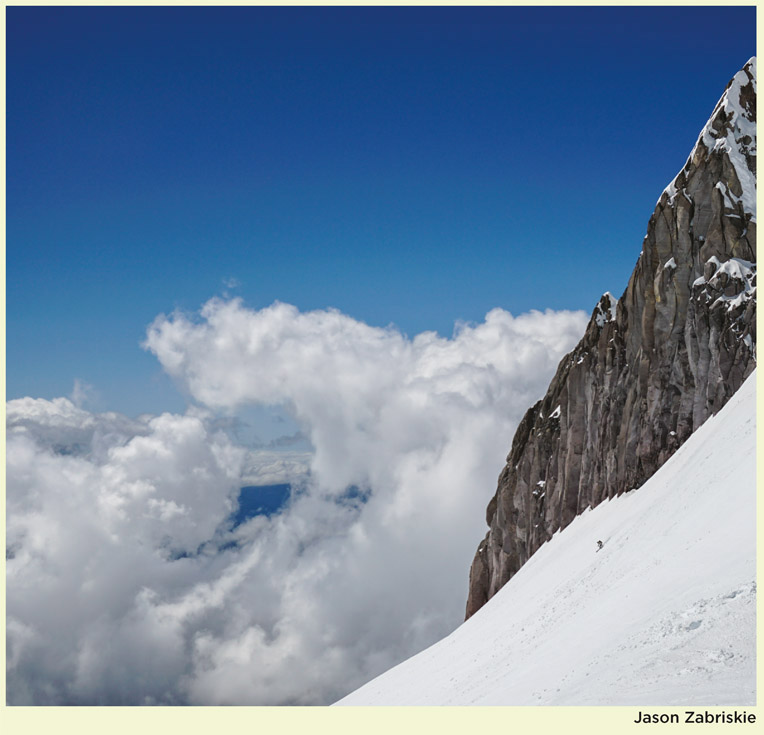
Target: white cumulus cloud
[126,582]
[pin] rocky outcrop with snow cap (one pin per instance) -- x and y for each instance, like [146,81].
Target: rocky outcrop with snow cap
[653,365]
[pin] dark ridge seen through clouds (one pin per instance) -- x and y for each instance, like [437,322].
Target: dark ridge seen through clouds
[260,500]
[268,500]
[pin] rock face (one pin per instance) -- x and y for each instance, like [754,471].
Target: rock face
[651,366]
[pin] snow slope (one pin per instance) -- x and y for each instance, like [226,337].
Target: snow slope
[663,614]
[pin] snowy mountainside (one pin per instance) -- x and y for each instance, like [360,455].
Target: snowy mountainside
[663,614]
[653,365]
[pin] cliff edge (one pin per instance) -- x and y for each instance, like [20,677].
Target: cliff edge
[653,365]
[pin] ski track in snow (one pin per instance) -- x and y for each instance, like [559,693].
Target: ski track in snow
[664,614]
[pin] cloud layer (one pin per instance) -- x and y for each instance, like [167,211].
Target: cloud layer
[126,582]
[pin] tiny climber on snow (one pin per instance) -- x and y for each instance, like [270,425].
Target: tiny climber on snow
[599,545]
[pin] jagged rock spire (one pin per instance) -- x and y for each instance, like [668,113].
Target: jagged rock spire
[650,367]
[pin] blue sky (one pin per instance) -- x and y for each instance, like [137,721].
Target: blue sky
[408,166]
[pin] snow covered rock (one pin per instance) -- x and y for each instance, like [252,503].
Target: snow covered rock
[653,365]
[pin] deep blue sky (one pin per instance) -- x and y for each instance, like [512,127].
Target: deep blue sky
[414,166]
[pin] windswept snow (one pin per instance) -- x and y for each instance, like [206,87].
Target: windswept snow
[663,614]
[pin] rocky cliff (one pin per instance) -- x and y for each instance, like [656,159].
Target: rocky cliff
[653,365]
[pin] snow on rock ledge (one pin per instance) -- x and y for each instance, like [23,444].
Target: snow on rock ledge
[605,310]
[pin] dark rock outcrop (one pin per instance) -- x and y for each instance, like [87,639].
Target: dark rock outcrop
[651,366]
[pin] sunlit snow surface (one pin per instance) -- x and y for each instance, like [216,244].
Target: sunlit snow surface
[664,614]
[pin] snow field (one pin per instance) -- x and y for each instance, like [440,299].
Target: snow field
[664,614]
